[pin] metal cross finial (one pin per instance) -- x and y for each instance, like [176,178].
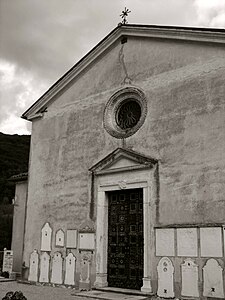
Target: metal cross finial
[124,15]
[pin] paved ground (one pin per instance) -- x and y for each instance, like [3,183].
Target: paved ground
[34,292]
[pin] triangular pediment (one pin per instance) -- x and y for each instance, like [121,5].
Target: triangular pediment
[122,160]
[121,32]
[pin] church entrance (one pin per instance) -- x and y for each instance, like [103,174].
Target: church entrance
[125,239]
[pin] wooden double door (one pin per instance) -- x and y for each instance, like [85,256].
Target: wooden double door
[125,239]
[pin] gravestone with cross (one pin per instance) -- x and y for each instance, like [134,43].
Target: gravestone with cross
[213,279]
[165,271]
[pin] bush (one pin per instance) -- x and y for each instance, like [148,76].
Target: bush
[5,274]
[14,296]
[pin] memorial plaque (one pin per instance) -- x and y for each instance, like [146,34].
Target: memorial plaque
[187,242]
[33,271]
[70,269]
[44,267]
[57,268]
[189,271]
[165,242]
[46,237]
[213,280]
[87,241]
[71,238]
[165,271]
[211,242]
[85,283]
[7,261]
[59,238]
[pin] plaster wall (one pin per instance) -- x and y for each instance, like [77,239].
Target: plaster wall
[19,225]
[184,129]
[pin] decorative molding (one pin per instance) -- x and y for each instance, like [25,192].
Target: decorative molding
[140,161]
[122,184]
[87,227]
[115,103]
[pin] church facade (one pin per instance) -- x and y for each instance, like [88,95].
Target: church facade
[126,182]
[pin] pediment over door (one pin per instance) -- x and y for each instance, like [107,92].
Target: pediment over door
[122,160]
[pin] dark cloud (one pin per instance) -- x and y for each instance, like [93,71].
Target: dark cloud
[43,39]
[47,37]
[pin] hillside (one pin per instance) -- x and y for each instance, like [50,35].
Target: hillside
[14,156]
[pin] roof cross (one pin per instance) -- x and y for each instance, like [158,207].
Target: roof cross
[124,15]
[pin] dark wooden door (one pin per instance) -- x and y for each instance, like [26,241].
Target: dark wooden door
[125,239]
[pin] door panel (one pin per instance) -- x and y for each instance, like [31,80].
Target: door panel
[125,239]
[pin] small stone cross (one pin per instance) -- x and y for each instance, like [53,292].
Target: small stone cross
[124,15]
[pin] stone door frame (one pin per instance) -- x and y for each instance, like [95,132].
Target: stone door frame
[112,181]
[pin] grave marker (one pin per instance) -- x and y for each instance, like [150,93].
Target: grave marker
[84,283]
[33,271]
[46,237]
[211,242]
[57,268]
[7,261]
[165,242]
[187,242]
[44,267]
[189,271]
[59,238]
[70,269]
[71,238]
[165,278]
[213,279]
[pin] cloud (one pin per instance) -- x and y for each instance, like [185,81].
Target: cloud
[17,89]
[40,40]
[210,13]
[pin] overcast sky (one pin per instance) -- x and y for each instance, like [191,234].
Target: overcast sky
[41,39]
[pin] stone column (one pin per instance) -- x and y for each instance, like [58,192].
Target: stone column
[101,240]
[147,288]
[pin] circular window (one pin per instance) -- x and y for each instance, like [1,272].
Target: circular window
[128,114]
[125,112]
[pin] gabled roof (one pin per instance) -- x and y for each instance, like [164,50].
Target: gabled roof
[211,35]
[121,160]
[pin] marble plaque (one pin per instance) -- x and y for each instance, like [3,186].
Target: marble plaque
[213,279]
[46,237]
[165,271]
[57,268]
[44,267]
[85,283]
[70,269]
[71,238]
[189,271]
[187,242]
[59,238]
[33,270]
[7,261]
[87,241]
[211,242]
[165,242]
